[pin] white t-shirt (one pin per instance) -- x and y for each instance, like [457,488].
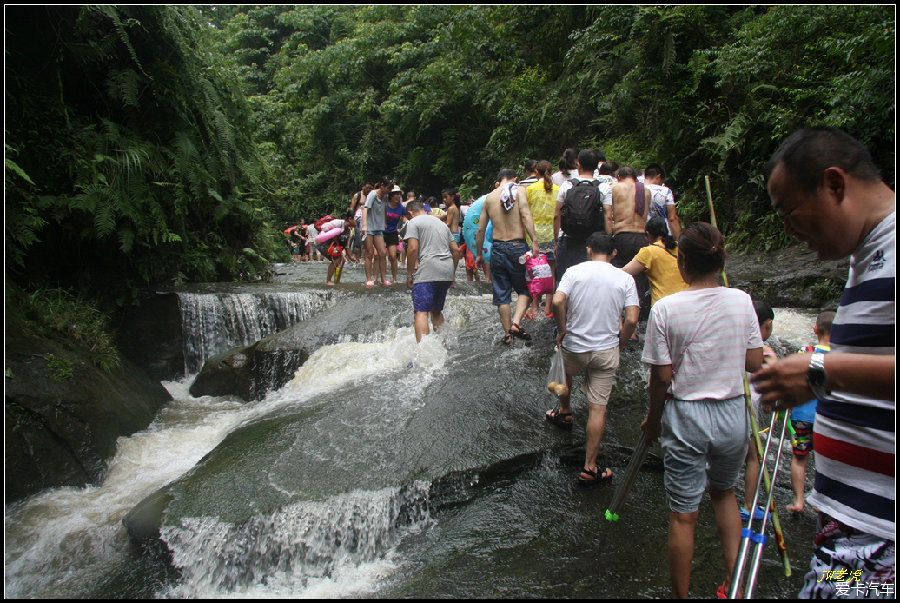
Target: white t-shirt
[660,198]
[705,336]
[596,293]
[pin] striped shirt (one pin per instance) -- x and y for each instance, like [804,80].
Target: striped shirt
[854,435]
[704,335]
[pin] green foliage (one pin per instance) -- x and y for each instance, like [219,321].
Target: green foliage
[62,368]
[164,144]
[447,95]
[60,312]
[137,149]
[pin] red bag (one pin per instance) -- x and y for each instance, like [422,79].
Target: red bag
[322,220]
[335,250]
[538,276]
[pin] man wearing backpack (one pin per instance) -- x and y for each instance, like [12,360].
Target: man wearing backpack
[579,213]
[628,222]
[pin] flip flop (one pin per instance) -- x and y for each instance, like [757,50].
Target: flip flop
[519,332]
[530,315]
[722,593]
[557,418]
[588,477]
[757,514]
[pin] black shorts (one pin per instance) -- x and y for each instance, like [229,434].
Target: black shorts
[391,239]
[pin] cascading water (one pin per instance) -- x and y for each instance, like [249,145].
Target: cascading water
[216,322]
[382,469]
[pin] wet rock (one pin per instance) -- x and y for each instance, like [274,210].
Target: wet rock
[63,414]
[150,335]
[792,277]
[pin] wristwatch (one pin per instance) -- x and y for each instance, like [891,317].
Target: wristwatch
[815,375]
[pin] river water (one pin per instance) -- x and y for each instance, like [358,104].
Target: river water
[383,469]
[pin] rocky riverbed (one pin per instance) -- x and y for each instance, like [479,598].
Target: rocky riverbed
[63,415]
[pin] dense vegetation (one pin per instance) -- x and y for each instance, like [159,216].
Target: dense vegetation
[149,145]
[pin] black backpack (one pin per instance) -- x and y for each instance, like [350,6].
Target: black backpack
[582,212]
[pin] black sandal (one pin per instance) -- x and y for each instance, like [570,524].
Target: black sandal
[557,418]
[592,478]
[519,332]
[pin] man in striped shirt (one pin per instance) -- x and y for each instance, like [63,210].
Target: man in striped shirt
[831,196]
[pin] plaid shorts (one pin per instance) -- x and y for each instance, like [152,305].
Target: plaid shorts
[704,444]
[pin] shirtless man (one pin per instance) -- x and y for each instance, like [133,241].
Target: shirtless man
[627,221]
[451,199]
[506,207]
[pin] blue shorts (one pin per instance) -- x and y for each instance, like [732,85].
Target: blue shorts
[704,443]
[507,274]
[375,233]
[430,296]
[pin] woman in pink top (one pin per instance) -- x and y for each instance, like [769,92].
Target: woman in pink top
[699,343]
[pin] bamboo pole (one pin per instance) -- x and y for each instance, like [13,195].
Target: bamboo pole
[631,472]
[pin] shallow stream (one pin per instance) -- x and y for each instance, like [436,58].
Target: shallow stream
[383,469]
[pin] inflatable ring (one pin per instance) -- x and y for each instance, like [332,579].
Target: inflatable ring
[328,235]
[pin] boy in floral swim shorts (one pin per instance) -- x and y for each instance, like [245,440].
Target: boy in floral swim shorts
[804,417]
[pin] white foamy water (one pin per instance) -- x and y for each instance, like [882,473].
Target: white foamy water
[320,549]
[793,328]
[62,539]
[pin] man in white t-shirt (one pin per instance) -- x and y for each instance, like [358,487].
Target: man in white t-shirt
[587,306]
[662,201]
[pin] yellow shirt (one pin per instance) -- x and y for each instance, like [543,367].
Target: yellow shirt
[543,207]
[661,268]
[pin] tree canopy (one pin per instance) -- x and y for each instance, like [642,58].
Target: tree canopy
[152,144]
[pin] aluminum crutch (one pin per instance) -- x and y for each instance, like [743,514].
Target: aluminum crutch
[747,534]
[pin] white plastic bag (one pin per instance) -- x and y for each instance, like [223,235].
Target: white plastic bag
[556,378]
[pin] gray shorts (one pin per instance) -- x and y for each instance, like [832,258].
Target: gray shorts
[704,443]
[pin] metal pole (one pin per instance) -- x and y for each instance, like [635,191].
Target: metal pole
[747,534]
[761,541]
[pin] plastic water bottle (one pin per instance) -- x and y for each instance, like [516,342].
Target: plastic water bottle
[525,258]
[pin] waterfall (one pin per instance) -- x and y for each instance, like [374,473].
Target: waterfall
[298,549]
[217,322]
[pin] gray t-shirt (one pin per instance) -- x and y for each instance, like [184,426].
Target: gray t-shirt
[375,218]
[435,258]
